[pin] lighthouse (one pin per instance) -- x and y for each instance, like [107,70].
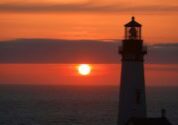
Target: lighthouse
[132,102]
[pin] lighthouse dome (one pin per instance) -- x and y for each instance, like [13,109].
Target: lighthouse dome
[133,23]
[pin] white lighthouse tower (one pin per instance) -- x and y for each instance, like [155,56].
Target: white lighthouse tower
[132,102]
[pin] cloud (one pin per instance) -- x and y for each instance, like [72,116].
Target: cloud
[78,51]
[86,7]
[163,53]
[57,51]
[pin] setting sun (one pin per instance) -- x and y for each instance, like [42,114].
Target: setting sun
[84,69]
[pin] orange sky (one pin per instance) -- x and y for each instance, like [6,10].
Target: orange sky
[67,74]
[87,19]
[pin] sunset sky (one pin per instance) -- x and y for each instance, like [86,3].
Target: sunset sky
[67,74]
[87,19]
[95,20]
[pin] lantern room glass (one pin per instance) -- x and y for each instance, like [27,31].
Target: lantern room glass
[133,33]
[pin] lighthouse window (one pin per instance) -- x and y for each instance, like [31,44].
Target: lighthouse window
[133,33]
[138,96]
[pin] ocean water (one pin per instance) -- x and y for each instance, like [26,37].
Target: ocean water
[75,105]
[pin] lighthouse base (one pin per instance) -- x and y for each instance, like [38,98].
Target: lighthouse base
[132,92]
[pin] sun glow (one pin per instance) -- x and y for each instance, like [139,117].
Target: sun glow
[84,69]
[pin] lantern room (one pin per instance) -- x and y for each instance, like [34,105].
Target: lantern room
[133,30]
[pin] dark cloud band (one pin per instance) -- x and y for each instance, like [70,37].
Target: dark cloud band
[84,7]
[77,51]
